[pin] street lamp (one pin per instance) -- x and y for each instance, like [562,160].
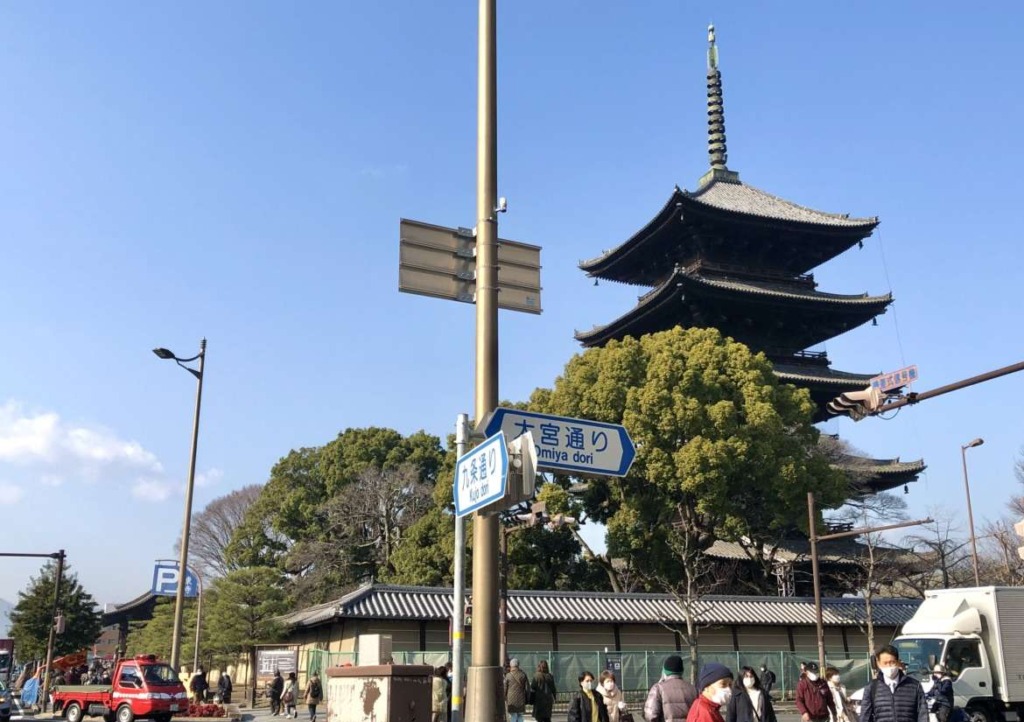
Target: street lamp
[179,597]
[970,512]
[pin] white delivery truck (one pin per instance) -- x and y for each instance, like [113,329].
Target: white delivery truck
[978,635]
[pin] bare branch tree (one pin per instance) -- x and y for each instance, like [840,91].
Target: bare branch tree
[362,526]
[999,563]
[944,559]
[213,527]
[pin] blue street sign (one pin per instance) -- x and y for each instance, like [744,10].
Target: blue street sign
[481,476]
[165,580]
[895,380]
[580,446]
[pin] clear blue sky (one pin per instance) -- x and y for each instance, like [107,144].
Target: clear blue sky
[237,170]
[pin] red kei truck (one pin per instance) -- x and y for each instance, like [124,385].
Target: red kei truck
[141,687]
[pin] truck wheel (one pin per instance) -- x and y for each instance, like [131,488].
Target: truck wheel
[974,714]
[125,714]
[73,712]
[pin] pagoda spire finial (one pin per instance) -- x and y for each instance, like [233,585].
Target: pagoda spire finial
[716,119]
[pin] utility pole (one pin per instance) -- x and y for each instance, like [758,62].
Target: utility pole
[483,694]
[459,595]
[53,626]
[59,556]
[814,539]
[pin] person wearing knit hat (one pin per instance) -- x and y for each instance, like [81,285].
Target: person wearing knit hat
[715,683]
[671,697]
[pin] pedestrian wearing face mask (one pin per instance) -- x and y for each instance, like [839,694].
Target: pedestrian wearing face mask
[893,696]
[750,702]
[940,696]
[715,687]
[813,697]
[612,696]
[835,686]
[671,697]
[586,705]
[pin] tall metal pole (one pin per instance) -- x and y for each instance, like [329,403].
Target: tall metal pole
[818,621]
[199,621]
[179,597]
[459,595]
[53,628]
[483,700]
[503,601]
[970,512]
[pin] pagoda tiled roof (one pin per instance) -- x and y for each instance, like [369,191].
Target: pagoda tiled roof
[783,290]
[871,476]
[788,298]
[741,198]
[885,467]
[806,375]
[732,223]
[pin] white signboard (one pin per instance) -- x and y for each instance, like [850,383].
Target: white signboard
[481,475]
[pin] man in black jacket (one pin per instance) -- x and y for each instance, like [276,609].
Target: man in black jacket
[893,696]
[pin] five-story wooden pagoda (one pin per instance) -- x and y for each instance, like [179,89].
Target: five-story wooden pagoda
[739,259]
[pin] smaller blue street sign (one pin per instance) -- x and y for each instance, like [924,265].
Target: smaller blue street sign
[895,380]
[481,476]
[591,448]
[165,580]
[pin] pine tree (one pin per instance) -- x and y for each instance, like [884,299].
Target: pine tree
[33,615]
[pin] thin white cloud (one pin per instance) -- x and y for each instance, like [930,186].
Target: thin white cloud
[151,490]
[209,477]
[10,494]
[42,439]
[38,448]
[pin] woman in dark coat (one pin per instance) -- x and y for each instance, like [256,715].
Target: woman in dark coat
[583,703]
[543,689]
[749,703]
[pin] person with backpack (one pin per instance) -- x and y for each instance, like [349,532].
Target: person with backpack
[275,690]
[314,695]
[893,695]
[517,689]
[288,697]
[670,698]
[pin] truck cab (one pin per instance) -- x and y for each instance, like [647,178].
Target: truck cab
[965,657]
[973,633]
[141,687]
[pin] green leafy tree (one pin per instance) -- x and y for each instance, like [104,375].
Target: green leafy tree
[32,616]
[153,636]
[245,611]
[724,451]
